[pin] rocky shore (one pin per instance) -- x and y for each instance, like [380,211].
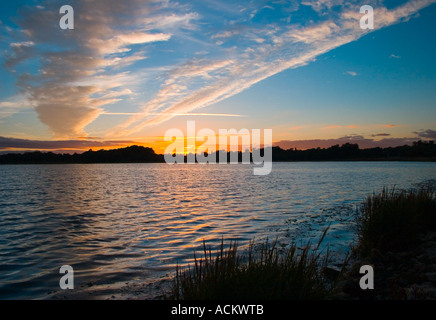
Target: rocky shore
[405,275]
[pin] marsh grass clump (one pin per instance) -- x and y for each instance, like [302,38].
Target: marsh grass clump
[394,219]
[265,271]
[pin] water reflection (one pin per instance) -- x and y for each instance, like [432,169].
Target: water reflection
[118,222]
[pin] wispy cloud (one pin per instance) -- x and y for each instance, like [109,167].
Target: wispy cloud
[83,71]
[120,43]
[322,5]
[286,46]
[202,114]
[352,126]
[14,104]
[332,127]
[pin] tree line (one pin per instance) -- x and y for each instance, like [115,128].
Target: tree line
[418,151]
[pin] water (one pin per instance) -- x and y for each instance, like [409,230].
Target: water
[134,222]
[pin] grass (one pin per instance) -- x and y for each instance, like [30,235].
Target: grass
[394,219]
[390,221]
[263,272]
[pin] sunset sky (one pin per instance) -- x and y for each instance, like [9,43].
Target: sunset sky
[130,70]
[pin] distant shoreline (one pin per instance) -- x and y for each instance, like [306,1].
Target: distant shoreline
[289,161]
[420,151]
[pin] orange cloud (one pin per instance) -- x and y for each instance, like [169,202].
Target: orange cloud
[332,127]
[340,126]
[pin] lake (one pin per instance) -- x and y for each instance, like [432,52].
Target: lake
[131,223]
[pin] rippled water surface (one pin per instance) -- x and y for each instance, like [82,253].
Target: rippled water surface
[135,222]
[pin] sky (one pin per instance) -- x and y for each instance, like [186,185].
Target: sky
[130,70]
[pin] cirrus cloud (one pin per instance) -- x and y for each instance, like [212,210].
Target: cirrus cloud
[283,46]
[83,71]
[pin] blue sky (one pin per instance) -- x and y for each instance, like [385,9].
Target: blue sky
[131,70]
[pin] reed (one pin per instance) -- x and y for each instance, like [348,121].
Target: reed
[394,219]
[263,271]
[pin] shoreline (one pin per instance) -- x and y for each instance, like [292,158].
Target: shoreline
[430,160]
[157,289]
[403,275]
[419,151]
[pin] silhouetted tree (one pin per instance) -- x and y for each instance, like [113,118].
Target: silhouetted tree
[420,150]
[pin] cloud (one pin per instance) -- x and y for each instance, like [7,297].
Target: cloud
[14,143]
[322,5]
[225,34]
[19,51]
[14,104]
[360,140]
[381,135]
[332,127]
[340,126]
[83,70]
[119,43]
[68,109]
[175,114]
[428,134]
[173,90]
[116,94]
[79,68]
[315,33]
[352,73]
[363,142]
[286,46]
